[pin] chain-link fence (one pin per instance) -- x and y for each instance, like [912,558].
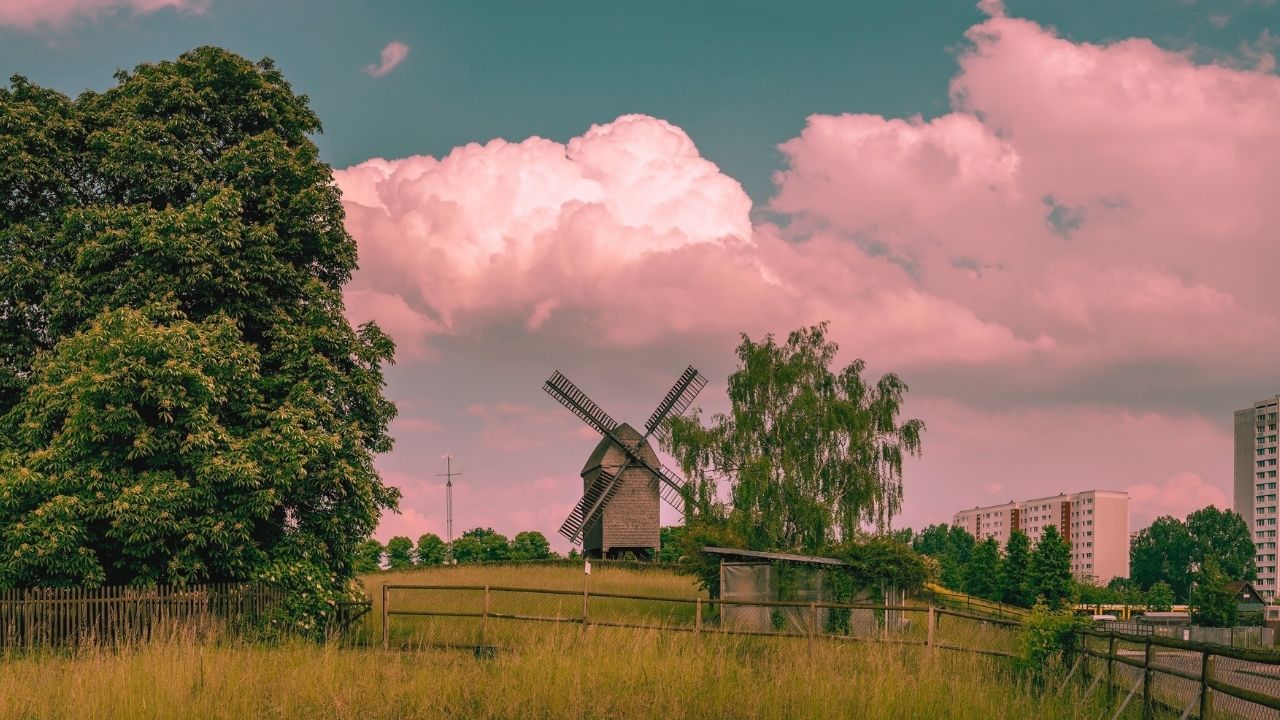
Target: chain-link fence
[1168,676]
[1246,637]
[488,617]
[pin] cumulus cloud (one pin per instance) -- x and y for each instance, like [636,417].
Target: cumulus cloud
[32,14]
[627,221]
[1179,496]
[1069,267]
[392,55]
[1112,197]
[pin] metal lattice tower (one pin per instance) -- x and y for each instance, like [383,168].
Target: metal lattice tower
[448,474]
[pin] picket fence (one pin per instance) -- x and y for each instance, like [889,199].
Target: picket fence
[118,615]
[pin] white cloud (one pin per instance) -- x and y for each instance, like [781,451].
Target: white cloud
[32,14]
[392,55]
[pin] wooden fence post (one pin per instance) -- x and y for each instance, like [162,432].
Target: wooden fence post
[933,624]
[386,618]
[813,625]
[1111,669]
[586,616]
[484,619]
[1206,692]
[697,618]
[1148,680]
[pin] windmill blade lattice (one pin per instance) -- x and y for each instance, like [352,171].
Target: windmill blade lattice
[677,400]
[587,512]
[568,394]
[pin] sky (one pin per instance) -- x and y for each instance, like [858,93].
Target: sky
[1055,221]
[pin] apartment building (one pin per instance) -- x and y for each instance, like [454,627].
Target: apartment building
[1094,522]
[1255,484]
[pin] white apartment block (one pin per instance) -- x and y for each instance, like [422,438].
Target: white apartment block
[1255,484]
[1094,522]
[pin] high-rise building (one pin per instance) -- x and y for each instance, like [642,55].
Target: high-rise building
[1094,522]
[1255,484]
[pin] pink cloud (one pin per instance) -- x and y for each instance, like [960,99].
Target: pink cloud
[1179,496]
[32,14]
[1071,268]
[1114,198]
[392,55]
[627,220]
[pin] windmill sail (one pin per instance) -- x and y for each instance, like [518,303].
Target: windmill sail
[568,394]
[677,400]
[587,512]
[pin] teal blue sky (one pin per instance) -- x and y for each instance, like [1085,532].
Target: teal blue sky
[739,77]
[1086,300]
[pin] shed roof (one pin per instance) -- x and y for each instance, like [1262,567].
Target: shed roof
[1236,587]
[788,557]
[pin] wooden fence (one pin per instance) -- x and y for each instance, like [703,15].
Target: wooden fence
[479,605]
[57,617]
[1189,679]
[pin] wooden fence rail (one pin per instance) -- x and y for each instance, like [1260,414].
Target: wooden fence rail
[117,615]
[1253,689]
[475,602]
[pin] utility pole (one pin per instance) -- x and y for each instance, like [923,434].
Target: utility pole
[448,474]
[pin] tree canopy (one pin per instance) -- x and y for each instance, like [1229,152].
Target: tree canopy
[172,337]
[431,550]
[1050,575]
[810,454]
[1015,571]
[481,545]
[399,553]
[1169,549]
[531,545]
[1212,603]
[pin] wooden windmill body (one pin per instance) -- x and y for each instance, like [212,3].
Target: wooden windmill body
[629,521]
[623,481]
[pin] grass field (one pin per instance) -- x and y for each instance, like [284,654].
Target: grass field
[541,670]
[604,674]
[679,612]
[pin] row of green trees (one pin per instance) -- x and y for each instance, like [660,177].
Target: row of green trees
[476,545]
[1017,576]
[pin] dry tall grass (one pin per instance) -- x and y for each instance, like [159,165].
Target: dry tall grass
[603,674]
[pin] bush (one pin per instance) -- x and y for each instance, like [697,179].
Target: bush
[1046,639]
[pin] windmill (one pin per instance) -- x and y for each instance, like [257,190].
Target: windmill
[623,479]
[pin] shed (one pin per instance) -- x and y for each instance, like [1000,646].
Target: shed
[748,576]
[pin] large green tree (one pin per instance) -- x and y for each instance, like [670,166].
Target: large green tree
[982,574]
[1223,536]
[530,545]
[431,550]
[368,556]
[811,454]
[399,553]
[955,557]
[1015,571]
[1169,549]
[1212,603]
[1159,597]
[1162,552]
[932,540]
[481,545]
[191,194]
[1050,576]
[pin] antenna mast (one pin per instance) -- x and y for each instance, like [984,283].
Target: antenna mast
[448,474]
